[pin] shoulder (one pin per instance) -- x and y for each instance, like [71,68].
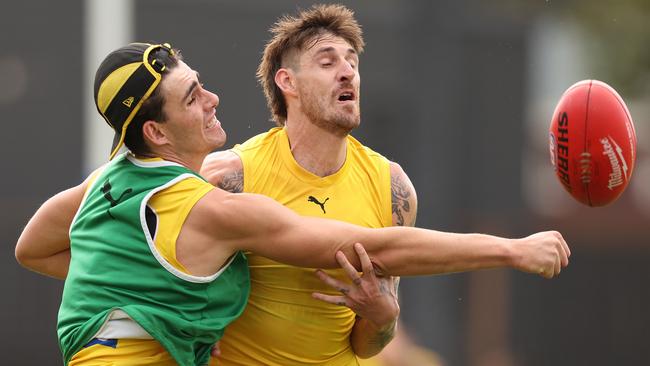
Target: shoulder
[185,187]
[403,197]
[259,141]
[371,162]
[224,169]
[362,149]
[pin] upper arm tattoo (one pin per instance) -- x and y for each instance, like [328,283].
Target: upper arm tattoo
[400,196]
[233,182]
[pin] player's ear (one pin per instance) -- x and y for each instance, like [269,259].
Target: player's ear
[154,133]
[285,80]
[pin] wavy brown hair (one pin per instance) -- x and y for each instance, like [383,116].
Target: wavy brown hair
[295,33]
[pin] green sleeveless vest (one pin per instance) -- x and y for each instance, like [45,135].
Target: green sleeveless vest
[114,266]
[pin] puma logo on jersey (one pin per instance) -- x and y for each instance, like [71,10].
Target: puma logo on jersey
[315,200]
[106,190]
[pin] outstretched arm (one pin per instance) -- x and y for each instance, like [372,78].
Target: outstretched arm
[257,223]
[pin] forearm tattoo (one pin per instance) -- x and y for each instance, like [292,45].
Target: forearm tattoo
[381,339]
[233,182]
[400,199]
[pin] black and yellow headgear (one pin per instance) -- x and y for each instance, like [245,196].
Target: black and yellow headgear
[124,80]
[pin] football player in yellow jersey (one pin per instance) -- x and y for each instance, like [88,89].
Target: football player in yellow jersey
[310,76]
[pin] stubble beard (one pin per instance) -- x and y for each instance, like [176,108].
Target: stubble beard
[329,117]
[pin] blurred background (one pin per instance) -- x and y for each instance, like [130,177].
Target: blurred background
[459,92]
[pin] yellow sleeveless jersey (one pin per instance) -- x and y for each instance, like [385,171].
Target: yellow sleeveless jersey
[282,324]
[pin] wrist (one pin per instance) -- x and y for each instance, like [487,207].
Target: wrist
[368,339]
[383,326]
[511,255]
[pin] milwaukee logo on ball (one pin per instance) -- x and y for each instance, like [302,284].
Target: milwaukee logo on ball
[589,159]
[617,175]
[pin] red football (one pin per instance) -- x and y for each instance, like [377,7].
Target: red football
[592,143]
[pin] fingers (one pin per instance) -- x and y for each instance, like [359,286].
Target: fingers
[548,275]
[549,270]
[562,248]
[567,251]
[333,282]
[348,268]
[566,246]
[366,264]
[552,267]
[562,255]
[564,260]
[335,300]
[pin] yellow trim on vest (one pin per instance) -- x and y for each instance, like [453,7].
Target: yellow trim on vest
[93,177]
[171,206]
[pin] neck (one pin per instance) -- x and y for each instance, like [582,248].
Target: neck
[315,149]
[192,162]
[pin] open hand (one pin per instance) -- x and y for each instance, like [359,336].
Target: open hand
[370,296]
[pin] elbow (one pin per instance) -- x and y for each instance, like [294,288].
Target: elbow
[55,266]
[384,265]
[24,256]
[21,256]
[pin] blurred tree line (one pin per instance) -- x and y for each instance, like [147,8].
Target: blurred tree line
[618,35]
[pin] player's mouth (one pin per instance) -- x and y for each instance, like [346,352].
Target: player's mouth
[213,122]
[347,96]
